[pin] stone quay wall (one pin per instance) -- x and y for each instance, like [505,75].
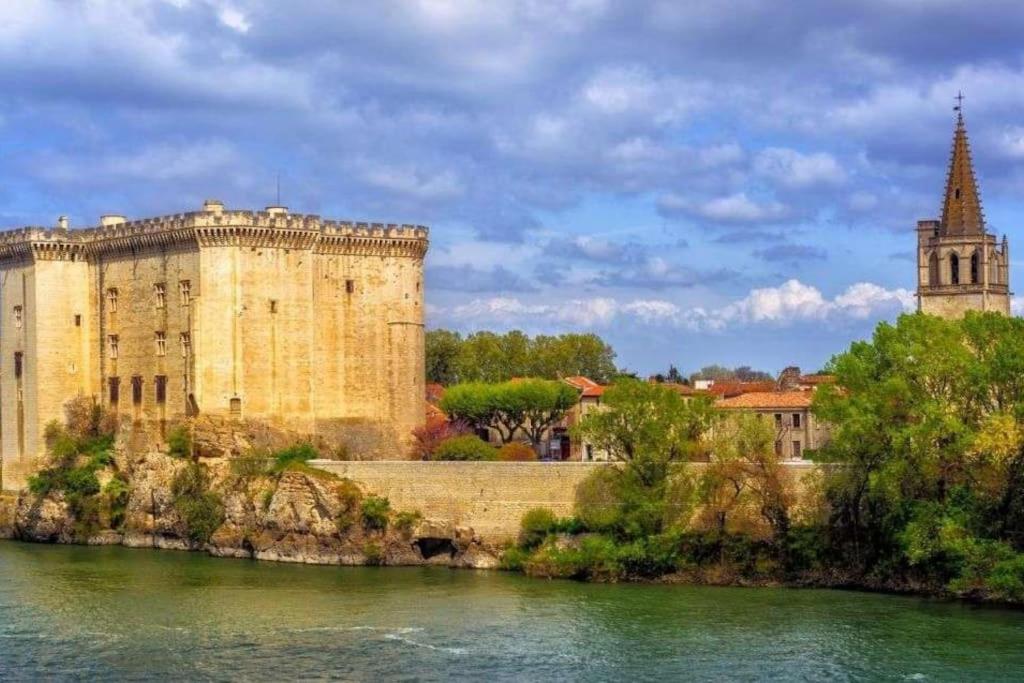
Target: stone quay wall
[490,497]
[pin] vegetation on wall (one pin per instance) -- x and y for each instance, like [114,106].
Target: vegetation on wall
[489,357]
[78,451]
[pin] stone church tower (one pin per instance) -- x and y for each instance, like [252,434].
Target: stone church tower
[960,266]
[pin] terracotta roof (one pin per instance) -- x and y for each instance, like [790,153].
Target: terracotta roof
[588,388]
[768,399]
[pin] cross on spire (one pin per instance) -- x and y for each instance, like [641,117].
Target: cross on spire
[959,101]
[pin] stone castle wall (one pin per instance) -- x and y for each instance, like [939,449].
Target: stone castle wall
[313,325]
[490,497]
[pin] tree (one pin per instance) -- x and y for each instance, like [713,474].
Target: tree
[546,402]
[442,349]
[743,373]
[744,469]
[649,424]
[927,419]
[490,357]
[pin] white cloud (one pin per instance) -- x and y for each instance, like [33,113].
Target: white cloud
[733,208]
[791,169]
[414,182]
[790,303]
[234,18]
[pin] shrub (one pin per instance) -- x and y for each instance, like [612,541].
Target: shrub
[250,466]
[201,511]
[405,521]
[298,454]
[514,559]
[179,442]
[596,558]
[375,511]
[81,481]
[373,553]
[87,420]
[466,447]
[436,431]
[597,499]
[535,526]
[116,493]
[516,452]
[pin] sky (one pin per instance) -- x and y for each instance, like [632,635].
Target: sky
[698,182]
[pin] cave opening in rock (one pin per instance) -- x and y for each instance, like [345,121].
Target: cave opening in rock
[432,547]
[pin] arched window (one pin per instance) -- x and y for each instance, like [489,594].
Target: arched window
[934,275]
[954,269]
[975,267]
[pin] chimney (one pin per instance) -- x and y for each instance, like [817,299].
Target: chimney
[62,222]
[277,210]
[106,220]
[213,206]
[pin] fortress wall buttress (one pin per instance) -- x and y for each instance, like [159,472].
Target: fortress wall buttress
[45,358]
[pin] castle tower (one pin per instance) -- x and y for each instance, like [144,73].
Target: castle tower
[961,267]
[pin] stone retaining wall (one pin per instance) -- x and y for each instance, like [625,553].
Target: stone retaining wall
[490,497]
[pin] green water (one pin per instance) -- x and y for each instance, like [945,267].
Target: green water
[114,613]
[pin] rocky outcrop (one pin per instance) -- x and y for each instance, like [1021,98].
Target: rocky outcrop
[298,515]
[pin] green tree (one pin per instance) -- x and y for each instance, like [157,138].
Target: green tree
[647,423]
[546,402]
[442,349]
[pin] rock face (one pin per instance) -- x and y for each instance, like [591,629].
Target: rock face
[298,515]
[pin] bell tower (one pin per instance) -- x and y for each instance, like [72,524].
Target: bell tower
[960,266]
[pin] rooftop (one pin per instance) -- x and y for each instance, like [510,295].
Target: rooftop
[768,400]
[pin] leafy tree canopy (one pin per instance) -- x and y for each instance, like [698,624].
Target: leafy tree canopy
[490,357]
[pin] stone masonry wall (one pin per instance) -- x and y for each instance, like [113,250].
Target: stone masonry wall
[490,497]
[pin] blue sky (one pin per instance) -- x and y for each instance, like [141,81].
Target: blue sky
[698,182]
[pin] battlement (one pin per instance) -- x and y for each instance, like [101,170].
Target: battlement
[216,226]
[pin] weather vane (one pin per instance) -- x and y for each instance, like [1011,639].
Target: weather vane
[959,101]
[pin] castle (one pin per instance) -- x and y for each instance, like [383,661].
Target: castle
[960,266]
[310,324]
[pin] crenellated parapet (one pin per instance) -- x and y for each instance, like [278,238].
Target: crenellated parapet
[216,227]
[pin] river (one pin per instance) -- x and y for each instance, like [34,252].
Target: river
[113,614]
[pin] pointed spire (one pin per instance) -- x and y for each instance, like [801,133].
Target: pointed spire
[961,210]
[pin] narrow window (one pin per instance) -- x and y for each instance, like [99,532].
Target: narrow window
[934,275]
[18,317]
[112,344]
[19,363]
[161,294]
[956,193]
[114,388]
[186,343]
[112,299]
[161,388]
[350,286]
[796,450]
[137,390]
[185,289]
[161,344]
[975,267]
[778,420]
[236,406]
[273,305]
[954,269]
[78,320]
[796,420]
